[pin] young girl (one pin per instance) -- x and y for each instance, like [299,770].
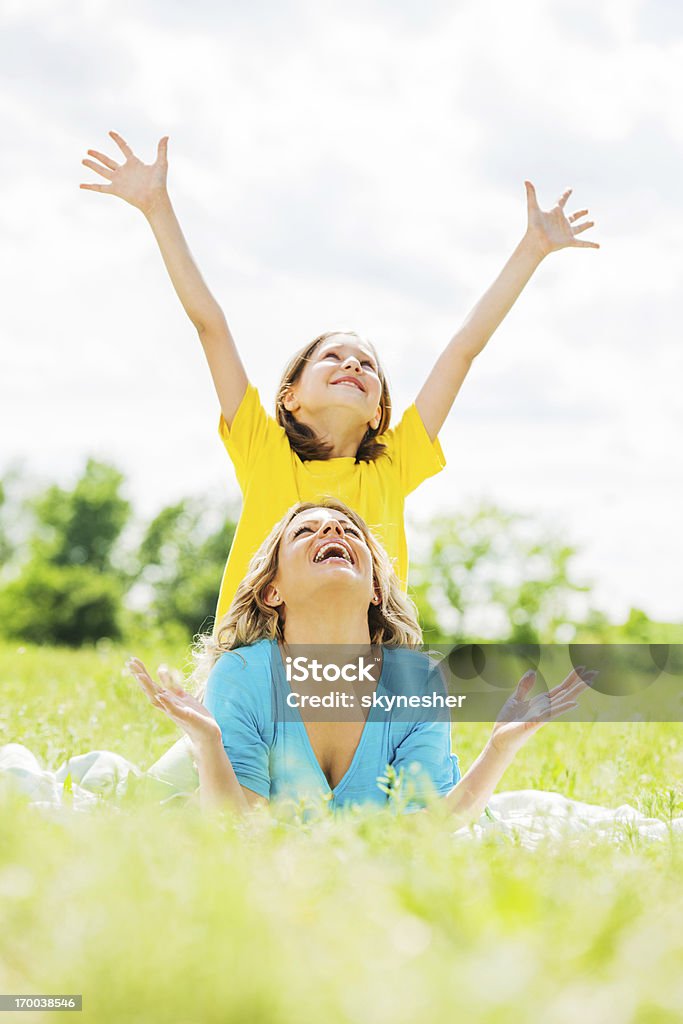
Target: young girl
[331,433]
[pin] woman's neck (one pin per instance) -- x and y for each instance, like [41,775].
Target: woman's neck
[331,624]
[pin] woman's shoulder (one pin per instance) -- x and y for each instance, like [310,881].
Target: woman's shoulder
[409,656]
[241,659]
[411,666]
[249,666]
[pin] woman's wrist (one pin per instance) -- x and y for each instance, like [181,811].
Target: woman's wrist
[209,750]
[497,754]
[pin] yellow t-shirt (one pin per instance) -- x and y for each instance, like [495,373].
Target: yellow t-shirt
[273,478]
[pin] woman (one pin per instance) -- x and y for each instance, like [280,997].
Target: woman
[321,579]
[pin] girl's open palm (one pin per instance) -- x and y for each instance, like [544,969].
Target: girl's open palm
[181,707]
[552,229]
[521,717]
[141,185]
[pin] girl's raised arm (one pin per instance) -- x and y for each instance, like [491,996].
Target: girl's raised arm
[144,186]
[546,232]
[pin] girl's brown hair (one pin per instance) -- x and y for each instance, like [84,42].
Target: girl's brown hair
[392,622]
[302,438]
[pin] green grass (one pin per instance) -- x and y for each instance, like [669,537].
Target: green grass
[159,914]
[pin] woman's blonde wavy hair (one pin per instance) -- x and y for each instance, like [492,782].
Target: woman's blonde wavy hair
[392,622]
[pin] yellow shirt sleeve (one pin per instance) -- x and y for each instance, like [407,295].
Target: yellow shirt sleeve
[415,456]
[252,432]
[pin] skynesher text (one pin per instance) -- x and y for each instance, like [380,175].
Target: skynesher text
[385,702]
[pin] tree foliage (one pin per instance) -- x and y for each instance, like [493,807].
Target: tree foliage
[68,589]
[81,526]
[496,575]
[181,560]
[61,604]
[5,549]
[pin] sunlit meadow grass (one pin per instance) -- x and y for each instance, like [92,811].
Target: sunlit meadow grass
[160,914]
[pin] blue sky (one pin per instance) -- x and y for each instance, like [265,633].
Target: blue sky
[359,165]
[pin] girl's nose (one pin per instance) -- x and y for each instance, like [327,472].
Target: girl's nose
[352,363]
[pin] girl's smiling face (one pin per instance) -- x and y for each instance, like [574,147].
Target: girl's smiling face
[344,371]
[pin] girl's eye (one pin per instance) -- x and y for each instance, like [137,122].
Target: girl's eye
[331,355]
[353,530]
[372,366]
[301,529]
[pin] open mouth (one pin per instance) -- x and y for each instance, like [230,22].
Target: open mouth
[350,381]
[333,550]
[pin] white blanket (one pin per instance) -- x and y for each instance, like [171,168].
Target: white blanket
[525,816]
[85,779]
[532,816]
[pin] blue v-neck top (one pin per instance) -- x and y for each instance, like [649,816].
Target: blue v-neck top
[271,753]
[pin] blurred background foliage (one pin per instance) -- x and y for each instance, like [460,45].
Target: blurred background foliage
[77,566]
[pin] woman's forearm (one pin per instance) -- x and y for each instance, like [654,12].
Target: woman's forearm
[468,799]
[193,292]
[219,788]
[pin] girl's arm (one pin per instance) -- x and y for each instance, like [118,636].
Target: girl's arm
[144,186]
[519,719]
[546,232]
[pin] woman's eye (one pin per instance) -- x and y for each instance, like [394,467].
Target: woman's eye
[370,365]
[301,530]
[331,355]
[351,529]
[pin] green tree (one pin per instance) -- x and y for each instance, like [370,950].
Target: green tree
[11,534]
[53,604]
[69,590]
[5,549]
[81,526]
[494,575]
[181,560]
[637,629]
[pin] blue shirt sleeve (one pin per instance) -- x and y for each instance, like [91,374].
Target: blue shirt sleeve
[238,695]
[424,754]
[427,761]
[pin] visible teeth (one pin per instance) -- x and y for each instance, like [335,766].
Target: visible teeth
[342,552]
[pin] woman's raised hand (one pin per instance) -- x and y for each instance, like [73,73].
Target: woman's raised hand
[521,717]
[553,229]
[181,707]
[141,185]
